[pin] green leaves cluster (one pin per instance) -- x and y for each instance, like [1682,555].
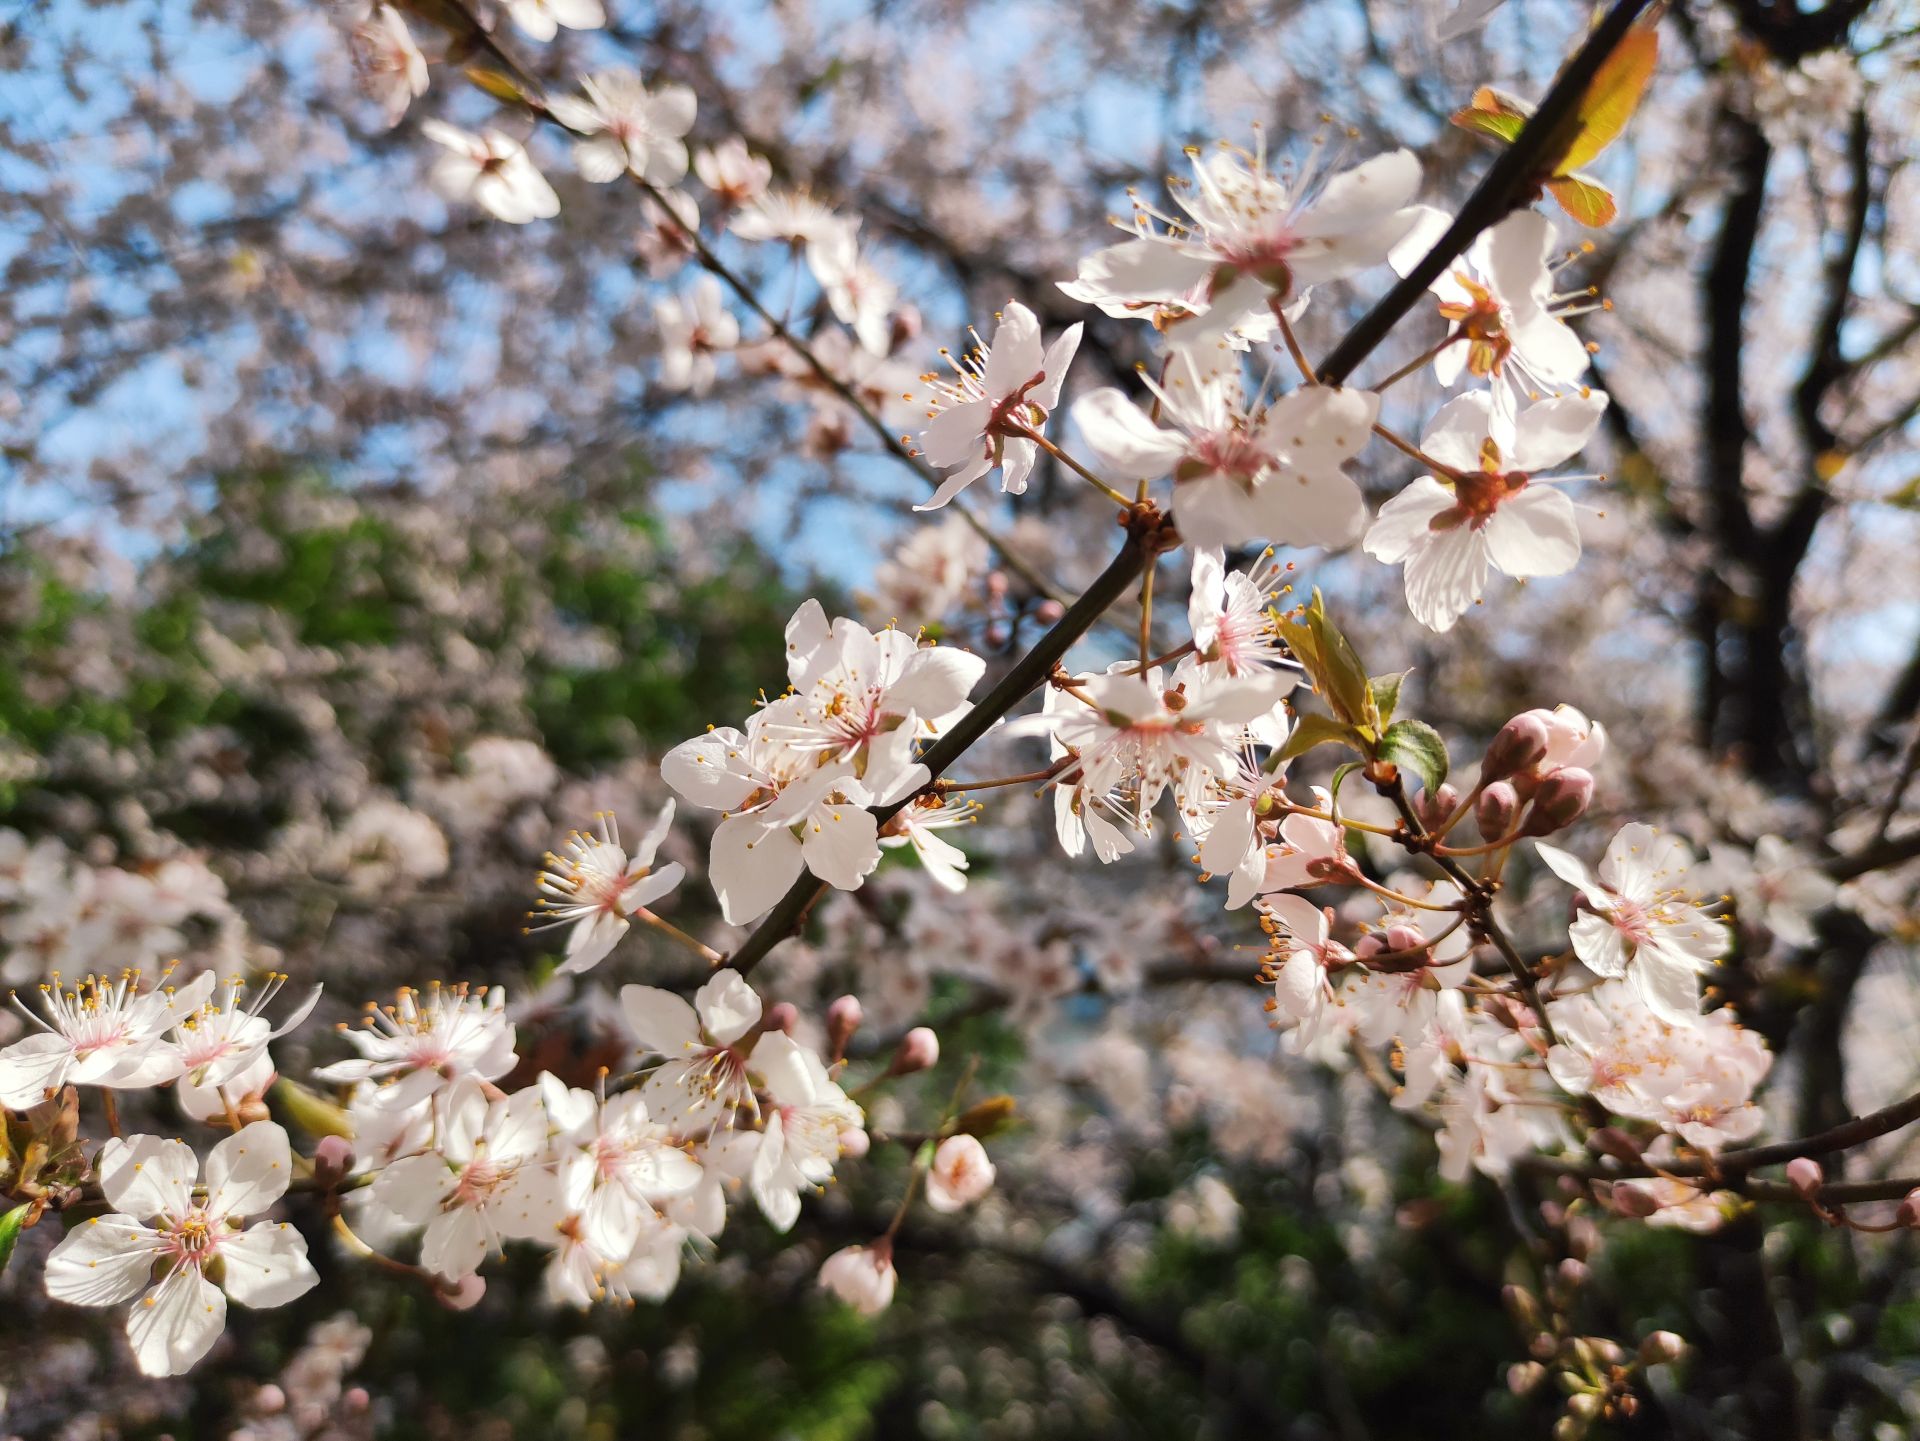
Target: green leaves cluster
[1362,706]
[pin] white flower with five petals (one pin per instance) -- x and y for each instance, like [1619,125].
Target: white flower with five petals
[172,1242]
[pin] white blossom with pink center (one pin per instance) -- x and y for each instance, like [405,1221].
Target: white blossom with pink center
[596,889]
[100,1033]
[181,1249]
[1641,922]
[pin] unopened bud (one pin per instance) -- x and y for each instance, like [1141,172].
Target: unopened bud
[1520,745]
[1524,1377]
[1573,1274]
[854,1144]
[355,1399]
[1494,812]
[332,1160]
[269,1400]
[1048,612]
[1630,1199]
[1612,1141]
[464,1294]
[1909,1213]
[1806,1177]
[1562,799]
[1586,1406]
[1583,1237]
[781,1016]
[903,327]
[843,1019]
[1661,1347]
[1568,1429]
[1437,807]
[1521,1306]
[1607,1350]
[919,1051]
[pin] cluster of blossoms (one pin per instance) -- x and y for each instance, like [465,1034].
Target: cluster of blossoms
[615,1184]
[427,1148]
[795,787]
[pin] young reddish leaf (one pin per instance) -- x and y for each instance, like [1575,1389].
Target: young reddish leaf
[1587,202]
[1613,97]
[1493,113]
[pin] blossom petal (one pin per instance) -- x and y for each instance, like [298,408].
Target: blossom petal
[176,1323]
[102,1262]
[267,1265]
[249,1170]
[145,1176]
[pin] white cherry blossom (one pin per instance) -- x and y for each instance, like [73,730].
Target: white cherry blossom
[806,1117]
[492,170]
[704,1078]
[223,1048]
[1495,511]
[1249,236]
[694,329]
[627,129]
[486,1180]
[595,888]
[392,69]
[1499,300]
[102,1032]
[542,19]
[1238,478]
[998,399]
[164,1236]
[1641,924]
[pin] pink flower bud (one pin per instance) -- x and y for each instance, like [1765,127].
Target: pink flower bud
[269,1400]
[1437,806]
[356,1400]
[843,1019]
[960,1175]
[918,1052]
[332,1160]
[1493,813]
[854,1144]
[781,1016]
[1524,1377]
[1806,1177]
[862,1277]
[464,1294]
[1520,745]
[1562,799]
[1573,1274]
[1909,1213]
[1048,612]
[1662,1346]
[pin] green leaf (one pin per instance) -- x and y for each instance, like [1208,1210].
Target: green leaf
[10,1225]
[1337,674]
[311,1112]
[1416,746]
[1384,690]
[1313,730]
[1340,773]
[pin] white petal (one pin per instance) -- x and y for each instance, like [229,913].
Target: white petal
[176,1323]
[455,1244]
[248,1172]
[1551,431]
[102,1262]
[1126,443]
[266,1265]
[841,844]
[727,1006]
[144,1176]
[31,1067]
[709,770]
[751,867]
[1534,533]
[1405,523]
